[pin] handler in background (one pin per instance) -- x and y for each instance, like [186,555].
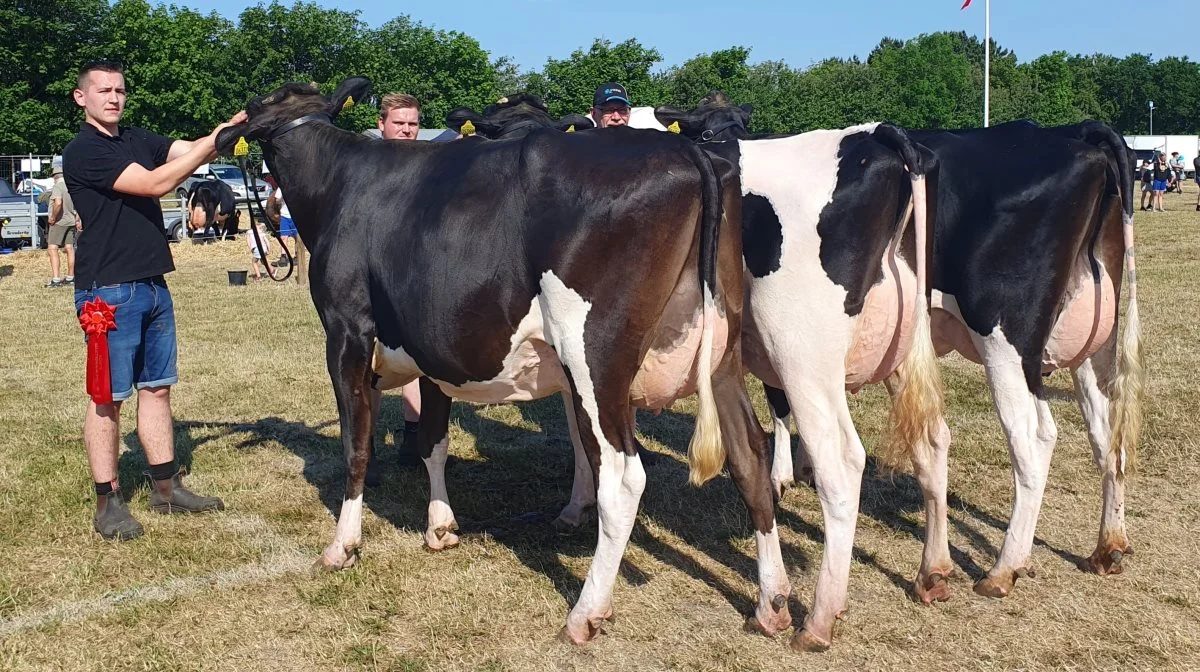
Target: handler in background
[116,176]
[400,119]
[64,226]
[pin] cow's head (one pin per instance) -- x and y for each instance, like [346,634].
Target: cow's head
[513,116]
[716,118]
[267,114]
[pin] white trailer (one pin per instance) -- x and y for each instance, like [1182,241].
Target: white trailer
[1188,146]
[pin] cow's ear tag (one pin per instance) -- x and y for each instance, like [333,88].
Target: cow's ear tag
[674,127]
[241,147]
[467,128]
[349,102]
[571,128]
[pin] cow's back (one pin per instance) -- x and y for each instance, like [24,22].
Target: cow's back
[1017,207]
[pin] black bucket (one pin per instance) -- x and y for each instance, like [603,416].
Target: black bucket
[237,278]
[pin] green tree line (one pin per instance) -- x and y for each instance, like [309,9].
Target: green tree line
[186,71]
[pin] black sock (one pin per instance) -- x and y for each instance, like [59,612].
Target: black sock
[103,489]
[164,471]
[410,426]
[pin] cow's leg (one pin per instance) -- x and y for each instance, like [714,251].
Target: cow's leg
[1092,380]
[583,487]
[433,442]
[838,459]
[621,480]
[782,471]
[930,468]
[1031,435]
[348,357]
[746,448]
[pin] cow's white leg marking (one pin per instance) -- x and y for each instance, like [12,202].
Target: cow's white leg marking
[622,478]
[774,587]
[1031,434]
[583,488]
[440,533]
[1092,377]
[782,472]
[342,551]
[838,458]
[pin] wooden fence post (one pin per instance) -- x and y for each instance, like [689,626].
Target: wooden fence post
[301,263]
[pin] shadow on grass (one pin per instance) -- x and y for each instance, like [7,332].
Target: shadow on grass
[522,478]
[6,270]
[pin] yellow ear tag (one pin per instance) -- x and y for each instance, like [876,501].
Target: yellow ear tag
[349,102]
[241,147]
[571,128]
[674,127]
[467,128]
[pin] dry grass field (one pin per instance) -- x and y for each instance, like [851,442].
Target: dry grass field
[256,422]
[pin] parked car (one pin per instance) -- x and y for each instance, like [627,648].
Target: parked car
[231,175]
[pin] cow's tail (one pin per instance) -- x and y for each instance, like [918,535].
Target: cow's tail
[706,453]
[1128,387]
[917,407]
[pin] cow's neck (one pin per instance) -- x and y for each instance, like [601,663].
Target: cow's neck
[300,162]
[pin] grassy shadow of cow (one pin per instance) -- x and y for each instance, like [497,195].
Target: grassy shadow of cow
[522,477]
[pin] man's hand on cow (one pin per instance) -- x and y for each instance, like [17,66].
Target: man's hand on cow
[236,119]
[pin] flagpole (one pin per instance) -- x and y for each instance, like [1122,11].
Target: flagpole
[987,59]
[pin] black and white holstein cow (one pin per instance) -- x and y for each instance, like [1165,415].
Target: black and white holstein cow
[593,264]
[514,116]
[212,210]
[837,300]
[1032,226]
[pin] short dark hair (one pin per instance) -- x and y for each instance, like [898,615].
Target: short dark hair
[397,100]
[115,67]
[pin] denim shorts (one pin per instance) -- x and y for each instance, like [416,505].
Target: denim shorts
[141,350]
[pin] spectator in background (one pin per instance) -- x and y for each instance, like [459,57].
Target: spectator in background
[64,225]
[277,210]
[1147,174]
[611,106]
[400,119]
[255,255]
[1161,175]
[1176,164]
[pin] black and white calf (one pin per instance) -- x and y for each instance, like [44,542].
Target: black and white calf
[603,265]
[837,300]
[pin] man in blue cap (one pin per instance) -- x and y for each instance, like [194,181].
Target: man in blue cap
[610,105]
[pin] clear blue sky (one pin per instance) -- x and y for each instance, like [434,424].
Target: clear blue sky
[799,32]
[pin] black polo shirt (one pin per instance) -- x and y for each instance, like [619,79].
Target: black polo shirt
[123,237]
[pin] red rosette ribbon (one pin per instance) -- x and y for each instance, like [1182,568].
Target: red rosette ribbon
[97,318]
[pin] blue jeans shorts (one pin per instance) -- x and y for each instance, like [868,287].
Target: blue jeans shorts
[141,350]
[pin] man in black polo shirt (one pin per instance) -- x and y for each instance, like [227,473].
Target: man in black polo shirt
[115,176]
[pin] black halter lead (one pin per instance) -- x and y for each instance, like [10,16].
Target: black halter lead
[711,133]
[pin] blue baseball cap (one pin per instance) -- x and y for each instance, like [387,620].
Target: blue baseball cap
[608,92]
